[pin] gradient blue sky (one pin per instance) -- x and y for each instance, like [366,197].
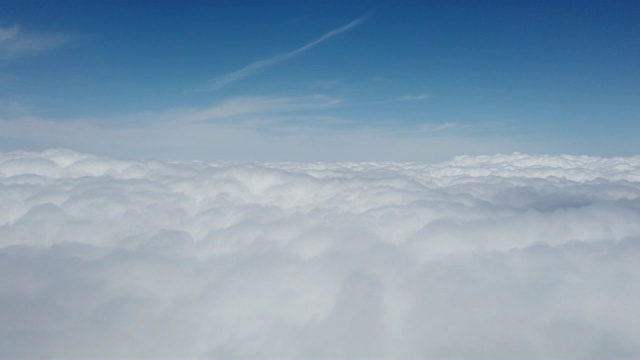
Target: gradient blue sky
[325,80]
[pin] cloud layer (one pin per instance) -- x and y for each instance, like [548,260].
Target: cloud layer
[506,256]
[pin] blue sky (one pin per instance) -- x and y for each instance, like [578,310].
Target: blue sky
[309,81]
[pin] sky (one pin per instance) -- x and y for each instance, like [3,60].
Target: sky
[320,81]
[319,179]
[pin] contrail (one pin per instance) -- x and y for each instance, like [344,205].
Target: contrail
[259,65]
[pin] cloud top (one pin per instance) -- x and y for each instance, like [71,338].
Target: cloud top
[498,256]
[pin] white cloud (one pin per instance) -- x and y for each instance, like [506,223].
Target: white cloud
[409,98]
[415,97]
[14,43]
[8,33]
[499,256]
[246,139]
[259,65]
[258,105]
[250,128]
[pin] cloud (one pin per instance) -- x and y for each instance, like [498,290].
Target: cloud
[250,129]
[259,105]
[415,97]
[411,98]
[8,33]
[260,65]
[479,257]
[404,99]
[14,43]
[245,128]
[14,106]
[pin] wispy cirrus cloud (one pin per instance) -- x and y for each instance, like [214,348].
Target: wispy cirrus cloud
[257,66]
[414,97]
[259,105]
[407,98]
[270,127]
[8,33]
[15,43]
